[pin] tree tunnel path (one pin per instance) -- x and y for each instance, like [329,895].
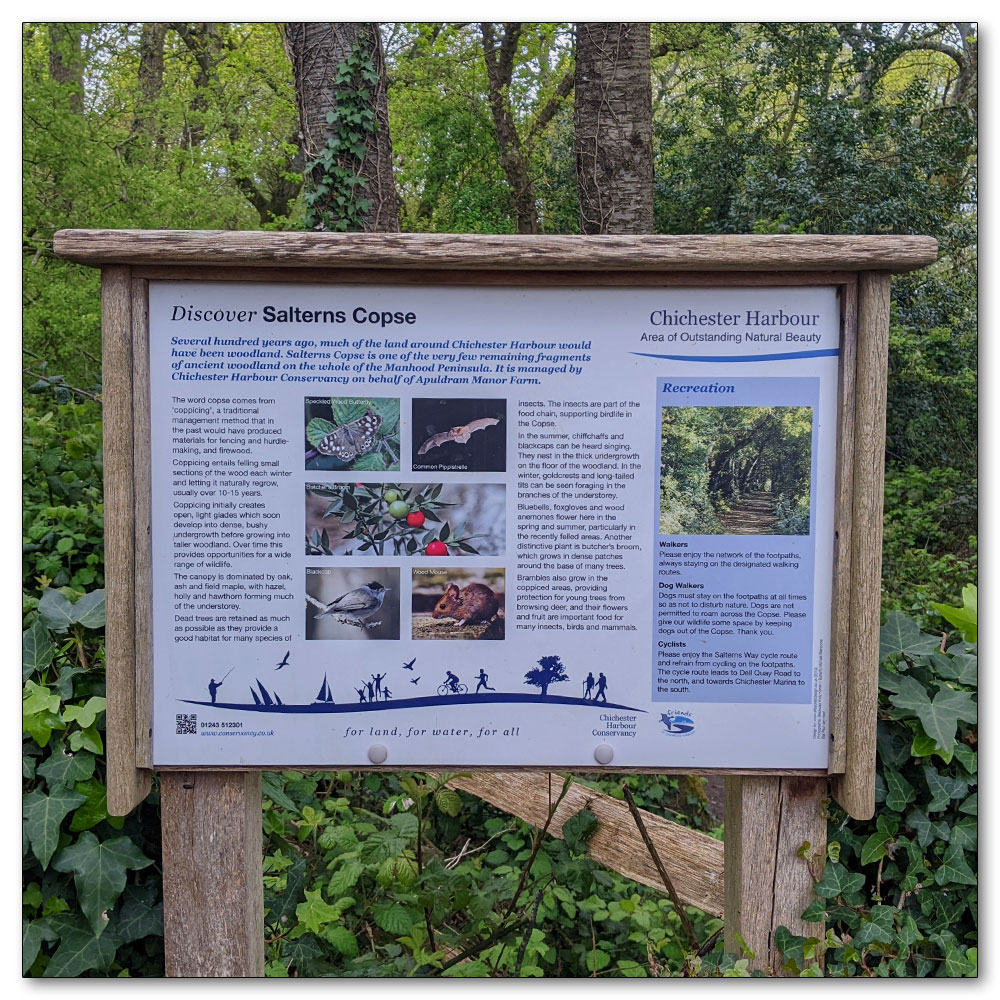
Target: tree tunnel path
[753,514]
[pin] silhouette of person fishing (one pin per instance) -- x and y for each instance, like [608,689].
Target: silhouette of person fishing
[214,685]
[602,684]
[483,681]
[589,682]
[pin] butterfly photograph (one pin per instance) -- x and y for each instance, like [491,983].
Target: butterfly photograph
[351,433]
[459,435]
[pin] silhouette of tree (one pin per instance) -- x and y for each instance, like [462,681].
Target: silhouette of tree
[551,671]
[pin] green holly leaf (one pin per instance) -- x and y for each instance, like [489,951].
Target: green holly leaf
[838,881]
[62,768]
[37,649]
[140,915]
[85,715]
[938,717]
[91,610]
[81,949]
[56,610]
[42,815]
[317,429]
[900,635]
[954,868]
[99,872]
[963,618]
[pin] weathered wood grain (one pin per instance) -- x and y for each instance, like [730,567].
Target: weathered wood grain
[855,789]
[213,901]
[767,883]
[498,276]
[142,500]
[842,517]
[127,785]
[692,860]
[473,251]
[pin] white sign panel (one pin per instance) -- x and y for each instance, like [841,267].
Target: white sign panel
[449,526]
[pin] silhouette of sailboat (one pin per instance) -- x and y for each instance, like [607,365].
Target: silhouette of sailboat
[268,701]
[325,695]
[257,700]
[277,700]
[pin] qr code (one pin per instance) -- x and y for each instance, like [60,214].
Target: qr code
[187,725]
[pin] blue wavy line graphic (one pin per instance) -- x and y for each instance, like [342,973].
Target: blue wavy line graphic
[717,358]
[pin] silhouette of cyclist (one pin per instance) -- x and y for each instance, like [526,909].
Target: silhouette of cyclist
[452,681]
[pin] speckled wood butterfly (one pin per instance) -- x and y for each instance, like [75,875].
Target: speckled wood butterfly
[353,439]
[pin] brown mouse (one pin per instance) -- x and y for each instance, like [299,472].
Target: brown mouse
[475,603]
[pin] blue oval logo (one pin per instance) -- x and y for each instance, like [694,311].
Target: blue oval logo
[677,725]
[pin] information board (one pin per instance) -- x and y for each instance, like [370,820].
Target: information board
[456,526]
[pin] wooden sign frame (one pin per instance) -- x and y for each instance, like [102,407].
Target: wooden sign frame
[858,266]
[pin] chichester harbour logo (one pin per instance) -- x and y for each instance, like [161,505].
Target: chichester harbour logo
[677,725]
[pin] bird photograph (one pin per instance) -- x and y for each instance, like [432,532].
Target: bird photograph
[463,435]
[347,603]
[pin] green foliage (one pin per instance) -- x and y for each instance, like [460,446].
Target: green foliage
[899,892]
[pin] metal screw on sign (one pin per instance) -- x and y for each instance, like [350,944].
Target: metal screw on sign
[604,754]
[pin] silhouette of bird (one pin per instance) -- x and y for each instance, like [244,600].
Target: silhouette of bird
[409,666]
[284,662]
[354,606]
[416,680]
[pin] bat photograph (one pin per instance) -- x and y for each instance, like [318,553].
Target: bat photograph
[459,435]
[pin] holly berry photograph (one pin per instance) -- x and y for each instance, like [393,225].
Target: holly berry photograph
[405,519]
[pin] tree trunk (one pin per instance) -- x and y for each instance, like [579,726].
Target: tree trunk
[204,42]
[151,41]
[316,51]
[66,60]
[499,71]
[613,124]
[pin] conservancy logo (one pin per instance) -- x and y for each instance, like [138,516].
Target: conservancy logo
[677,725]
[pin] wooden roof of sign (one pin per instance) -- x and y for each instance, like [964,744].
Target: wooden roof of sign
[475,251]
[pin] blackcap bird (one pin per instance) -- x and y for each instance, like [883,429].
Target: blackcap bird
[354,606]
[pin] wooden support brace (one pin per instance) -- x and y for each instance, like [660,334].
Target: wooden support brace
[213,895]
[768,883]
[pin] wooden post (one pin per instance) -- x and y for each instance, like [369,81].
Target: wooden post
[768,883]
[213,895]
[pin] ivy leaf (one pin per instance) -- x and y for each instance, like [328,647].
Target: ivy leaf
[62,768]
[938,717]
[942,788]
[281,907]
[967,757]
[86,739]
[99,872]
[93,810]
[961,667]
[272,789]
[838,881]
[901,635]
[315,912]
[33,933]
[91,610]
[80,950]
[578,829]
[37,649]
[85,715]
[899,792]
[971,805]
[300,951]
[954,868]
[924,746]
[965,833]
[928,830]
[42,815]
[139,916]
[877,927]
[55,610]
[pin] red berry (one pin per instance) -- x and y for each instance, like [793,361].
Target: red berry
[436,549]
[415,520]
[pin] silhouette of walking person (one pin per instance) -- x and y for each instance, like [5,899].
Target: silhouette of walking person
[602,684]
[589,683]
[371,690]
[483,681]
[361,694]
[378,678]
